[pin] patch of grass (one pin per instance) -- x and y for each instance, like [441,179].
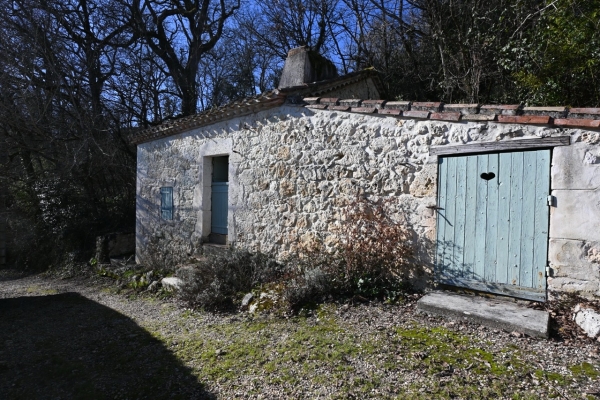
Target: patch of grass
[258,348]
[441,349]
[35,289]
[585,370]
[550,376]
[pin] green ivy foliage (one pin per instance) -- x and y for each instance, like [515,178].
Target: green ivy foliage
[557,62]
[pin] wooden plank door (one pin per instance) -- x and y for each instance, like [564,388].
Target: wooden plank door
[492,223]
[219,207]
[220,195]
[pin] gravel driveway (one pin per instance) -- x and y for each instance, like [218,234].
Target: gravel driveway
[77,338]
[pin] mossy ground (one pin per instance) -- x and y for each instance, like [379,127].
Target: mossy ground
[324,351]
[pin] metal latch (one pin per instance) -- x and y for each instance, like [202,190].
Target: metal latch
[551,201]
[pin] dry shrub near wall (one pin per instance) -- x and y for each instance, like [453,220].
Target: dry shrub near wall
[379,249]
[377,258]
[311,279]
[158,256]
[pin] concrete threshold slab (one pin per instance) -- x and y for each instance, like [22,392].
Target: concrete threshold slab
[495,313]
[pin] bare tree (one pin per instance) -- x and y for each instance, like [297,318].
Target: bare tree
[95,31]
[286,24]
[142,93]
[180,33]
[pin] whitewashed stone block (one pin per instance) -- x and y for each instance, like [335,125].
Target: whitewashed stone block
[588,320]
[576,215]
[576,167]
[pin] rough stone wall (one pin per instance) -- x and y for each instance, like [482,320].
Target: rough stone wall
[292,169]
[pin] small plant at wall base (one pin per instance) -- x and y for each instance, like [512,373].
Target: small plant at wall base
[158,257]
[311,279]
[217,281]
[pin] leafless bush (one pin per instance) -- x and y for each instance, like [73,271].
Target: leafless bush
[158,256]
[216,281]
[376,259]
[378,250]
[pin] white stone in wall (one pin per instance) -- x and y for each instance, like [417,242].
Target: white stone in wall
[588,288]
[574,258]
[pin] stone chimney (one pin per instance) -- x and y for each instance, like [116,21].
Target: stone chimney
[305,66]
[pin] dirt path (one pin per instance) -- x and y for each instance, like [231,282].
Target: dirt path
[76,338]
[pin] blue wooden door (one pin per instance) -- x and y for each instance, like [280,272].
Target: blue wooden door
[492,222]
[219,207]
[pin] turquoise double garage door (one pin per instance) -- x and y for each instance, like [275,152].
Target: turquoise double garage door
[492,222]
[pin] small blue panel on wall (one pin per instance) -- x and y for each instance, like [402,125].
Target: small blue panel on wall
[166,203]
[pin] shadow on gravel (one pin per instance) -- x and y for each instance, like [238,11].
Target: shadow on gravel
[67,346]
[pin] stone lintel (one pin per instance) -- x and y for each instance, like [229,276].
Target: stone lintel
[502,145]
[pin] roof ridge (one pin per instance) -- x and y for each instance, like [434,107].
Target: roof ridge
[249,105]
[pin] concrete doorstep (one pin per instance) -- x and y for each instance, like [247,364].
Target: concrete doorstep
[495,313]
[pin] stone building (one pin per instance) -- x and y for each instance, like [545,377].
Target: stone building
[505,199]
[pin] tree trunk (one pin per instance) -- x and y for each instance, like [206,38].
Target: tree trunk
[3,211]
